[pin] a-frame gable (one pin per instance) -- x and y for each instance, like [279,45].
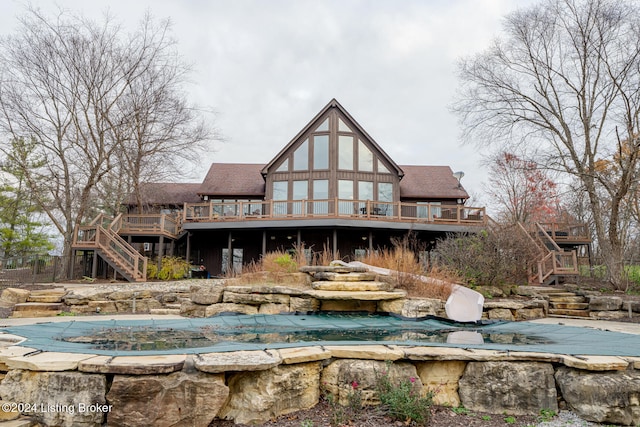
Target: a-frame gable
[319,125]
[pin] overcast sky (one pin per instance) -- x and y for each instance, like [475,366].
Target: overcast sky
[267,67]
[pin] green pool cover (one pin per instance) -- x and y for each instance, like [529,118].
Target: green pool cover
[258,332]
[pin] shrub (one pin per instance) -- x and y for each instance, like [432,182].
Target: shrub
[496,256]
[403,400]
[171,268]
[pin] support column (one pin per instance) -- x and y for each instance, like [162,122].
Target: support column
[370,241]
[94,265]
[335,242]
[188,256]
[299,239]
[264,243]
[229,253]
[160,252]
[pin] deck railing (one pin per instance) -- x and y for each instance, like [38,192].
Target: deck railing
[343,208]
[149,224]
[559,231]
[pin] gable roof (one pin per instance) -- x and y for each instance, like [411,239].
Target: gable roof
[245,180]
[167,193]
[316,121]
[427,182]
[233,179]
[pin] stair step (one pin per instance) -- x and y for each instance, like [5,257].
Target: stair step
[47,295]
[561,294]
[574,313]
[38,306]
[569,305]
[568,299]
[164,311]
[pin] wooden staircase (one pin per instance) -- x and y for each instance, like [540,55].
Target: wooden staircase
[553,262]
[100,237]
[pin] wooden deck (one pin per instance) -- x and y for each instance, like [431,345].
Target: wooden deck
[334,208]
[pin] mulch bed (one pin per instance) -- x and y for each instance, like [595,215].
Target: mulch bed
[321,416]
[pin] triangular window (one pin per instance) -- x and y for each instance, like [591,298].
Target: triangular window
[382,168]
[324,127]
[284,166]
[342,127]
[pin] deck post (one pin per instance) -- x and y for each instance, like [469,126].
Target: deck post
[264,243]
[188,247]
[94,265]
[298,238]
[160,252]
[370,242]
[335,242]
[229,253]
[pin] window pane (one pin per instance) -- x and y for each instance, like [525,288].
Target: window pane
[345,189]
[300,190]
[365,190]
[385,194]
[345,152]
[324,126]
[284,167]
[365,158]
[342,127]
[321,192]
[320,189]
[321,152]
[301,157]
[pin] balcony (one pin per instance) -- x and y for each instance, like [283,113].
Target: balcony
[334,208]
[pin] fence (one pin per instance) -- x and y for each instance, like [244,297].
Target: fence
[32,269]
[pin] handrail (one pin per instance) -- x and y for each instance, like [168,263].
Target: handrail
[116,224]
[543,232]
[134,263]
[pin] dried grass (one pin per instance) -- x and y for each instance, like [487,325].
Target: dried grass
[410,273]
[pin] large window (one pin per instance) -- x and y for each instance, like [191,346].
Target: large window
[321,152]
[345,152]
[301,157]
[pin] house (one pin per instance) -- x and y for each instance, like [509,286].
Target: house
[332,187]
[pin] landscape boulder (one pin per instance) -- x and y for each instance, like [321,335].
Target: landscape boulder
[259,396]
[177,399]
[611,397]
[515,388]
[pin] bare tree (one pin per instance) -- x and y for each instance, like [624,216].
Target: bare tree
[66,82]
[566,79]
[521,190]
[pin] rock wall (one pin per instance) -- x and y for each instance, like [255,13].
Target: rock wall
[253,387]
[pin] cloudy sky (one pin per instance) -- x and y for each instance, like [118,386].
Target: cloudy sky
[267,67]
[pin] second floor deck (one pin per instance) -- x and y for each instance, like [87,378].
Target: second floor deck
[275,210]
